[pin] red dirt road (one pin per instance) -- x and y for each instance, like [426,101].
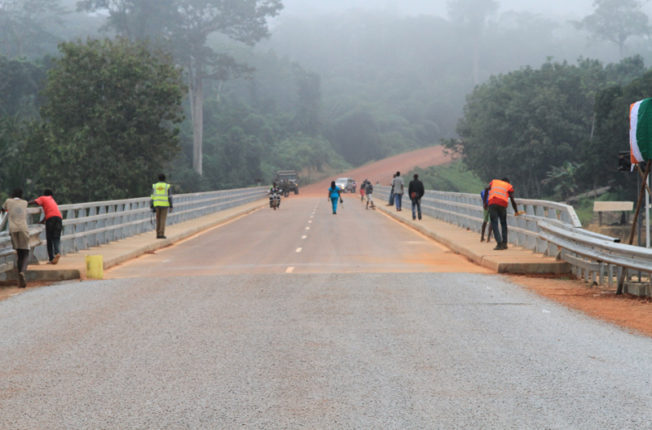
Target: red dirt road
[383,170]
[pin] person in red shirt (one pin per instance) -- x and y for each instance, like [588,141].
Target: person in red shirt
[53,224]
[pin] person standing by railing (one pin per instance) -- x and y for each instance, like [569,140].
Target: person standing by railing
[500,192]
[160,204]
[53,224]
[16,207]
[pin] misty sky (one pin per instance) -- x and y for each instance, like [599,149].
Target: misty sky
[568,8]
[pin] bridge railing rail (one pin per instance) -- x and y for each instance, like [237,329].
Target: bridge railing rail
[92,224]
[548,228]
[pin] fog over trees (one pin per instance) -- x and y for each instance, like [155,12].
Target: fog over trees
[319,86]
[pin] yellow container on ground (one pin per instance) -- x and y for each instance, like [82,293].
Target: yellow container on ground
[94,267]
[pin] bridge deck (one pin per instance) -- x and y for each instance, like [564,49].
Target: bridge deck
[514,260]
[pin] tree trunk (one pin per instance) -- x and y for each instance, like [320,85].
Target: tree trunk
[197,113]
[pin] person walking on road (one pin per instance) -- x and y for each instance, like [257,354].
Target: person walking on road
[369,189]
[416,192]
[53,224]
[161,202]
[16,209]
[390,202]
[363,185]
[485,216]
[500,192]
[397,186]
[334,196]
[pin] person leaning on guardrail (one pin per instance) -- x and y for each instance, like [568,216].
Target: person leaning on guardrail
[53,224]
[16,207]
[160,203]
[500,192]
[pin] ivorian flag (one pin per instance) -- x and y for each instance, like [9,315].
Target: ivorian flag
[640,131]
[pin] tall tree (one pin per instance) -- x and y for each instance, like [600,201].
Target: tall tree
[525,123]
[194,22]
[110,120]
[616,21]
[472,16]
[136,19]
[24,26]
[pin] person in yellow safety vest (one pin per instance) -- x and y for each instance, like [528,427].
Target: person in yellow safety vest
[500,192]
[160,203]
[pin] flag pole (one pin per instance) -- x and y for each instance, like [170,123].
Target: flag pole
[648,193]
[647,213]
[641,193]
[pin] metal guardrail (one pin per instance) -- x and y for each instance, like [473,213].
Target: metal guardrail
[92,224]
[546,227]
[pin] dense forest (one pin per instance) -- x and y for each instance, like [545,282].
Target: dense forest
[97,97]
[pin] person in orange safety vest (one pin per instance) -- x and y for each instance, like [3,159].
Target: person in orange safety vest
[499,193]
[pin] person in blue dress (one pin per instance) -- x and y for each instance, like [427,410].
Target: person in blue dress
[334,196]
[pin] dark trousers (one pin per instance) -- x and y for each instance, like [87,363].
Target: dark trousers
[499,212]
[161,217]
[416,208]
[22,260]
[53,227]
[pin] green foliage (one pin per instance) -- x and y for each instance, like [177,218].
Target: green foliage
[563,179]
[245,147]
[524,124]
[110,119]
[20,83]
[14,169]
[584,207]
[612,132]
[454,177]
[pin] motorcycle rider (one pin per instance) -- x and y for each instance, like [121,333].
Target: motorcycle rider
[274,194]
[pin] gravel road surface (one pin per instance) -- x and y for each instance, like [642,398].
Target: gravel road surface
[315,351]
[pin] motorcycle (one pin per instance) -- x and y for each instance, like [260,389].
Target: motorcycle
[274,200]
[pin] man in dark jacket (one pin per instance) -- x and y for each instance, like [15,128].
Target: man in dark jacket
[416,191]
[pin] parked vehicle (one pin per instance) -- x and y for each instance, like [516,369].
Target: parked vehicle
[347,185]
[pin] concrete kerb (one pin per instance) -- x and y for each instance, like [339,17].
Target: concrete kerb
[515,261]
[73,266]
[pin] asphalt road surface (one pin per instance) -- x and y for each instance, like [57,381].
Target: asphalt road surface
[303,319]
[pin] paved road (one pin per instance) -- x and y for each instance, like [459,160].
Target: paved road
[303,237]
[365,339]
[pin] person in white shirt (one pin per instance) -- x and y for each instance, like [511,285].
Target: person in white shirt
[397,186]
[16,209]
